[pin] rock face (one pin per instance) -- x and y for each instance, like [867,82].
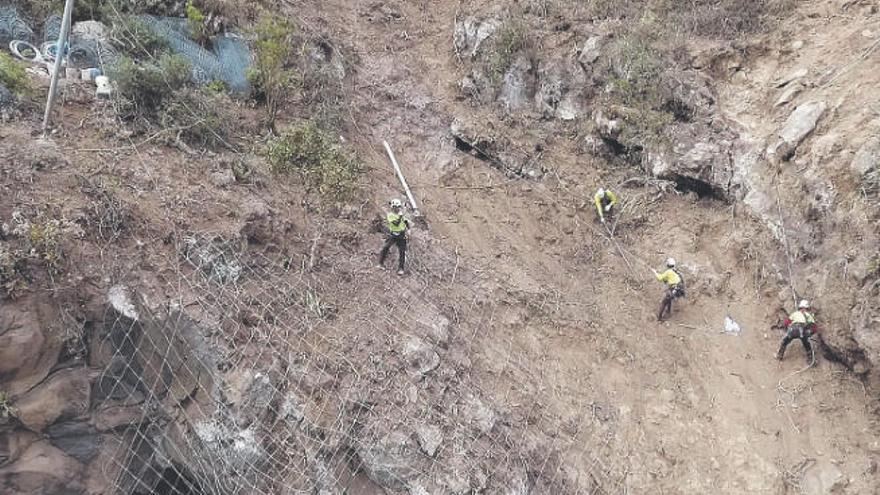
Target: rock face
[470,33]
[518,85]
[590,51]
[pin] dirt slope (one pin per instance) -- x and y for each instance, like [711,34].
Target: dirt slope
[551,325]
[680,407]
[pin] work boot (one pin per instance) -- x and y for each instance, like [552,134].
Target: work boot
[400,272]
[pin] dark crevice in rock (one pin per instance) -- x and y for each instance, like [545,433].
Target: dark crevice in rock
[703,189]
[679,110]
[615,146]
[462,145]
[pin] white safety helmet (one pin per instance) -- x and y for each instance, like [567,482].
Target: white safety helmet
[804,304]
[600,192]
[396,203]
[670,262]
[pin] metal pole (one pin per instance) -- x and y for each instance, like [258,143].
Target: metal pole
[412,200]
[59,56]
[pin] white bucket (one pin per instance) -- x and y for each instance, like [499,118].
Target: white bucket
[104,86]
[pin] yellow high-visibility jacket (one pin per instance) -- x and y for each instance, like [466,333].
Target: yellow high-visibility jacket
[597,198]
[397,223]
[802,317]
[669,277]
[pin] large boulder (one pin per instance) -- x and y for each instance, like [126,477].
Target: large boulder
[42,469]
[420,357]
[867,157]
[391,461]
[65,394]
[27,354]
[799,125]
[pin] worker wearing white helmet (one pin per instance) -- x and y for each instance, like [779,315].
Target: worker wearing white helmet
[674,287]
[397,224]
[605,201]
[799,325]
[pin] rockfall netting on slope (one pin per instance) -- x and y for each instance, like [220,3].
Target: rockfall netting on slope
[228,60]
[13,26]
[89,46]
[242,386]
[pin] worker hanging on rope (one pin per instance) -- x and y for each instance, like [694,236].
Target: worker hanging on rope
[398,224]
[799,325]
[674,288]
[605,201]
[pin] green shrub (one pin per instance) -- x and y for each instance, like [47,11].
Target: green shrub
[195,20]
[311,153]
[44,237]
[202,118]
[511,39]
[635,69]
[132,37]
[637,90]
[144,88]
[217,87]
[13,274]
[272,52]
[14,77]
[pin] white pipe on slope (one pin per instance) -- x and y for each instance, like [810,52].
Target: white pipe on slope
[409,195]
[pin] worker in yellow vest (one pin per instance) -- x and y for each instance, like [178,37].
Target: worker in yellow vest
[799,325]
[674,287]
[398,224]
[605,201]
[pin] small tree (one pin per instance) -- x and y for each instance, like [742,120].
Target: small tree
[270,77]
[195,20]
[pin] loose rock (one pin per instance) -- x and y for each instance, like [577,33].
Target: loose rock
[822,478]
[789,94]
[799,125]
[430,437]
[867,157]
[390,461]
[421,358]
[470,34]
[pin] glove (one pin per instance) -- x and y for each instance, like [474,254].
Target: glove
[602,219]
[607,207]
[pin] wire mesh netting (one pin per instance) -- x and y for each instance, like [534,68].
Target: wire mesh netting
[89,45]
[13,26]
[254,380]
[227,61]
